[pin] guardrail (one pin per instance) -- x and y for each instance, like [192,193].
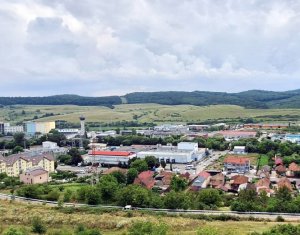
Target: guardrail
[13,197]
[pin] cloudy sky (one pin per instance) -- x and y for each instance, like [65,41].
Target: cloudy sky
[101,47]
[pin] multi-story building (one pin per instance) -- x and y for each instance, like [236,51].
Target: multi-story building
[12,129]
[236,164]
[31,128]
[15,164]
[1,128]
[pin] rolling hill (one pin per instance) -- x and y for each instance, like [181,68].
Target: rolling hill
[248,99]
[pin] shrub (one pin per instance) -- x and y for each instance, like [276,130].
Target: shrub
[13,231]
[148,228]
[279,218]
[38,226]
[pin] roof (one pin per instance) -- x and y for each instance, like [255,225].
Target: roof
[36,171]
[236,160]
[278,161]
[35,159]
[294,167]
[239,147]
[265,182]
[145,179]
[284,182]
[239,179]
[111,153]
[204,174]
[280,168]
[217,179]
[237,133]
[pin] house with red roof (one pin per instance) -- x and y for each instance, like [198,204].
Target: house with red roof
[284,182]
[236,164]
[294,170]
[201,181]
[217,180]
[280,170]
[145,179]
[237,180]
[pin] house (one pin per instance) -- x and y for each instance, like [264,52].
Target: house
[280,170]
[263,185]
[278,161]
[239,150]
[237,180]
[236,164]
[294,170]
[284,182]
[34,176]
[15,164]
[217,180]
[163,180]
[145,179]
[201,181]
[247,186]
[264,172]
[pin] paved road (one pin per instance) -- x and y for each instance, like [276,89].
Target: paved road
[260,215]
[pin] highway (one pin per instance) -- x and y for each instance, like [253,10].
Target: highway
[259,215]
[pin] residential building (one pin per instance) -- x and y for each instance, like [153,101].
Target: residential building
[31,128]
[284,182]
[8,129]
[263,185]
[34,176]
[1,128]
[236,164]
[294,170]
[15,164]
[108,157]
[238,180]
[194,127]
[280,170]
[145,179]
[217,180]
[201,181]
[239,150]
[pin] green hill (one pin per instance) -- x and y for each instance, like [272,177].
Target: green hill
[248,99]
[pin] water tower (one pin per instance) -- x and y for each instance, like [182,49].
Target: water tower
[82,131]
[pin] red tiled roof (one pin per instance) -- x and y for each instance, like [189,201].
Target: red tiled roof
[294,167]
[284,182]
[278,161]
[204,174]
[145,179]
[239,179]
[236,160]
[111,153]
[265,182]
[280,168]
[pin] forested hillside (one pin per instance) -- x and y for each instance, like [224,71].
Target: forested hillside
[248,99]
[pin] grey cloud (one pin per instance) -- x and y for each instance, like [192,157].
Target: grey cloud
[112,47]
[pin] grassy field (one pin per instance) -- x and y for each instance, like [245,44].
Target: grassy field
[114,223]
[144,113]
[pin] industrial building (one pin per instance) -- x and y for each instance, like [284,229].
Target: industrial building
[31,128]
[185,152]
[108,157]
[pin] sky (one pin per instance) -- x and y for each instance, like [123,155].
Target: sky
[101,48]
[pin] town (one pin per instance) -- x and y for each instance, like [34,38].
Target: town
[244,167]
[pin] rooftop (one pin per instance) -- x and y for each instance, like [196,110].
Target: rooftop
[236,160]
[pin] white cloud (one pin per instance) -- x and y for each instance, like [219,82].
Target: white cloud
[113,47]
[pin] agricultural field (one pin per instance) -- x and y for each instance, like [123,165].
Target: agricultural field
[150,113]
[114,222]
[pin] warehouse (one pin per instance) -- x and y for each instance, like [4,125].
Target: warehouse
[108,157]
[184,153]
